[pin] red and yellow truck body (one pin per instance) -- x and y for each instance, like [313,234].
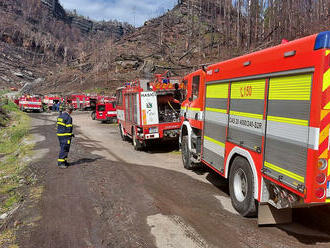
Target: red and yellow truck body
[272,108]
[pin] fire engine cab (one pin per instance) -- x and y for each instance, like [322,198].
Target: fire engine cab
[30,103]
[105,111]
[262,121]
[148,111]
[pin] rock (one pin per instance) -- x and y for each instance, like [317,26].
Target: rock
[3,216]
[18,74]
[17,223]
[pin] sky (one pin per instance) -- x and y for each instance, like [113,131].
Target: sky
[135,12]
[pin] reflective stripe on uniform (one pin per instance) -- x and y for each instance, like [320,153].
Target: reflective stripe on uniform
[61,160]
[61,123]
[285,172]
[69,142]
[64,134]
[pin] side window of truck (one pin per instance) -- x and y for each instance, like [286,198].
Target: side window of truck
[195,87]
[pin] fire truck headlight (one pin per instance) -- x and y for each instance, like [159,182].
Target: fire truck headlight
[322,164]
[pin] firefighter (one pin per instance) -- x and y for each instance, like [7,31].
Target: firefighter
[64,134]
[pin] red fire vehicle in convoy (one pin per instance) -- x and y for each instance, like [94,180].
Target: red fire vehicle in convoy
[50,100]
[105,111]
[262,121]
[30,103]
[147,111]
[82,101]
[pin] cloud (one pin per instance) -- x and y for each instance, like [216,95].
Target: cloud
[135,12]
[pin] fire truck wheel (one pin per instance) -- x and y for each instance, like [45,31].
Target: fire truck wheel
[93,115]
[186,156]
[122,134]
[241,187]
[136,143]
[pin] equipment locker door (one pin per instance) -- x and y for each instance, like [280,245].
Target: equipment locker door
[287,132]
[247,106]
[215,124]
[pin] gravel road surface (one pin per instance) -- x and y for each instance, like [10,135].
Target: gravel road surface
[114,196]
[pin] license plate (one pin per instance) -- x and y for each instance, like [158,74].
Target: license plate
[328,189]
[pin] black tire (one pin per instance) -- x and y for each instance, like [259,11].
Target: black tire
[93,115]
[136,143]
[186,154]
[241,187]
[122,135]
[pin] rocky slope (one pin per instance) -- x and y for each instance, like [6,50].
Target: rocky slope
[37,36]
[190,35]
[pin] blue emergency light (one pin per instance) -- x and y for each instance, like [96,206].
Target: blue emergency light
[322,40]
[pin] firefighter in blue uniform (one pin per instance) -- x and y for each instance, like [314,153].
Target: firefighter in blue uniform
[64,134]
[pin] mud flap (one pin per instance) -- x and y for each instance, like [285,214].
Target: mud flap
[269,215]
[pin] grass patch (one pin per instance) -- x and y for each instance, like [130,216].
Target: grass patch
[13,152]
[12,135]
[7,239]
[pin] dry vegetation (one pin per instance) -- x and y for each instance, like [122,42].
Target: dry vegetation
[195,32]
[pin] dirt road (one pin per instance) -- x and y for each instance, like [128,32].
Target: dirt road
[114,196]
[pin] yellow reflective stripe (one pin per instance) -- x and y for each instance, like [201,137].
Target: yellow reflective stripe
[215,141]
[194,109]
[285,172]
[249,115]
[328,166]
[61,160]
[327,52]
[69,125]
[216,110]
[326,80]
[69,142]
[64,134]
[60,119]
[288,120]
[217,91]
[61,123]
[324,134]
[290,88]
[254,89]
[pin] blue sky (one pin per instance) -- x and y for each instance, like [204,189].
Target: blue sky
[135,12]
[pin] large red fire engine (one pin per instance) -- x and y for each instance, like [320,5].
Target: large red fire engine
[30,103]
[262,121]
[147,111]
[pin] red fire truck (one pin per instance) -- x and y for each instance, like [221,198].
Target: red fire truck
[262,121]
[82,101]
[146,111]
[30,103]
[105,112]
[50,100]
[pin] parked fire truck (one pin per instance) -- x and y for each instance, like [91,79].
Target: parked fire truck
[262,121]
[30,103]
[105,111]
[82,101]
[146,111]
[50,100]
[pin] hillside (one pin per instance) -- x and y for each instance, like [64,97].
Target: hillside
[193,33]
[36,36]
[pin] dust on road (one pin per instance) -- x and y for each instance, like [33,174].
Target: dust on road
[114,196]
